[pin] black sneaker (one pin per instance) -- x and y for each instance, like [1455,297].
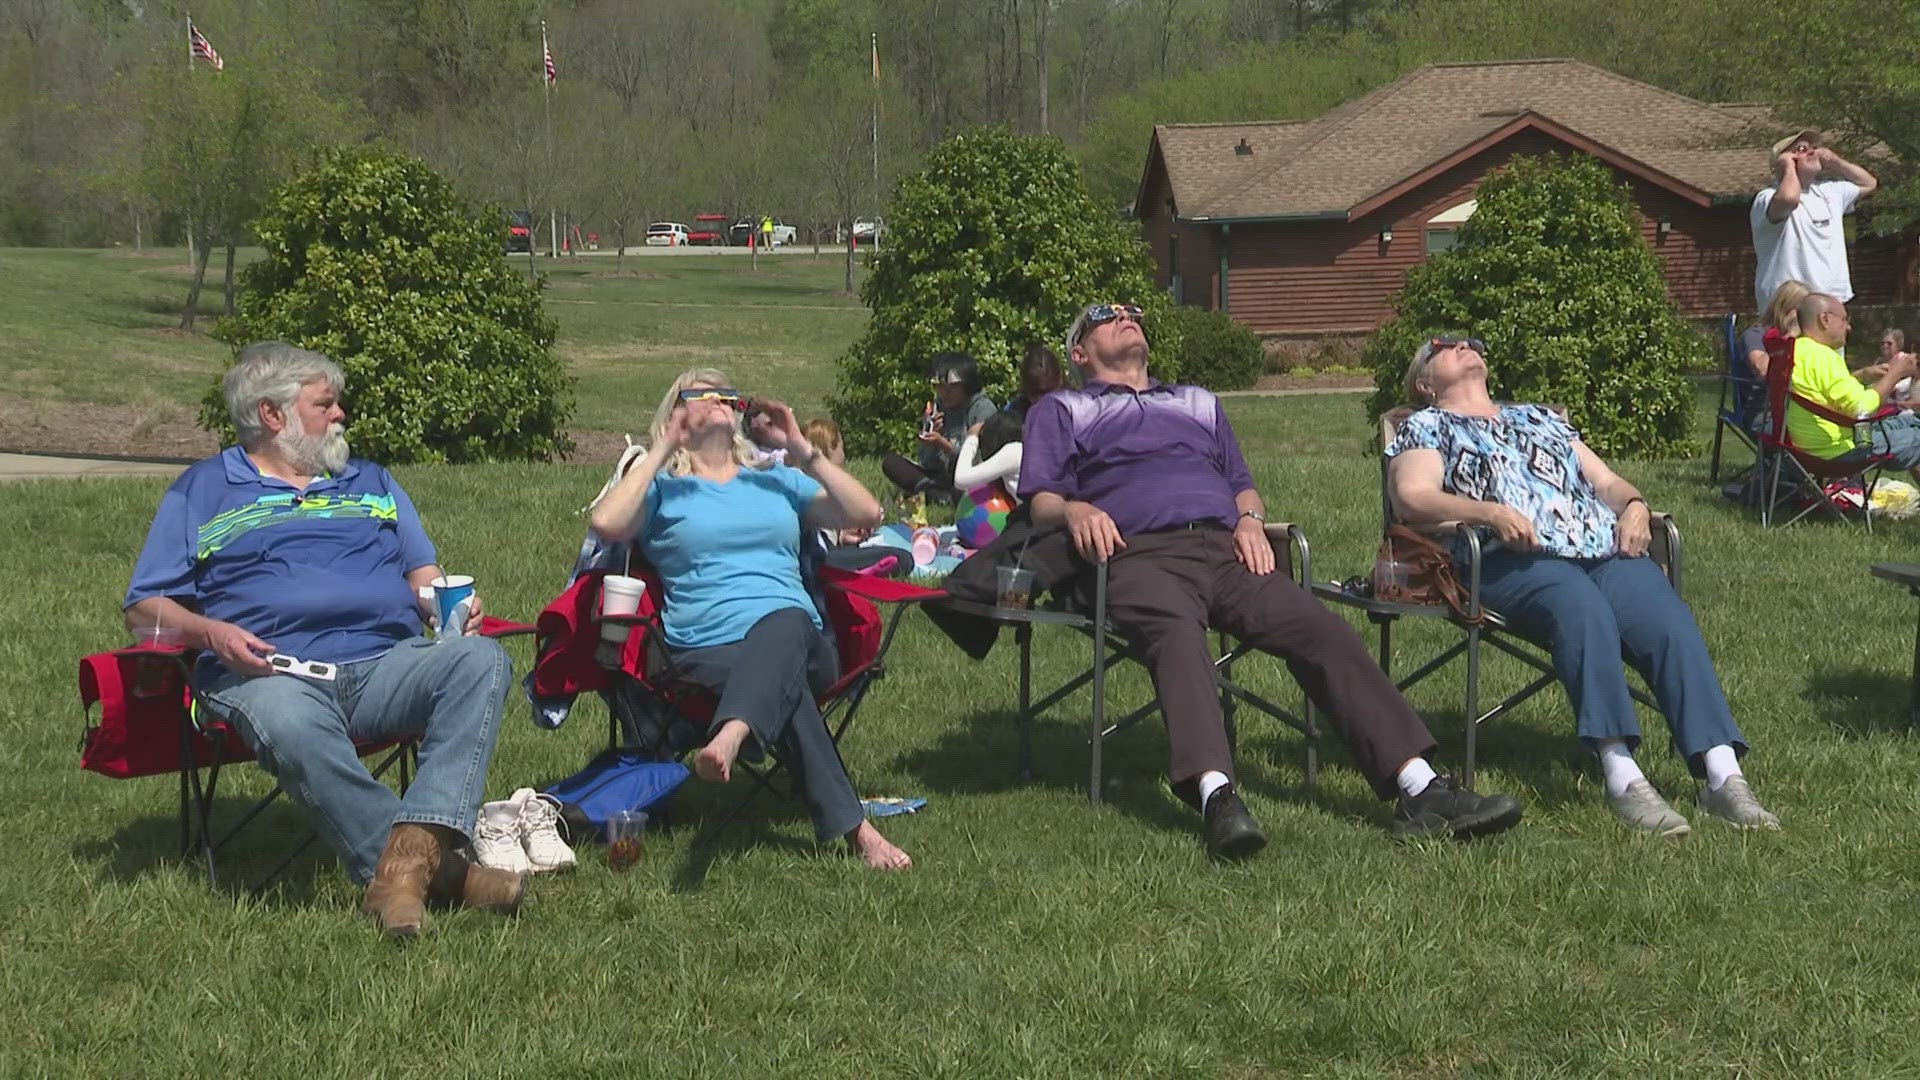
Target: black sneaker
[1446,809]
[1232,834]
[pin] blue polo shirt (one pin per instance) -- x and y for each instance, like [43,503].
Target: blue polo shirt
[728,554]
[319,574]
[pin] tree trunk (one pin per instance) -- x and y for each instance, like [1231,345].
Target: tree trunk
[138,236]
[229,299]
[816,243]
[199,276]
[850,261]
[532,271]
[620,239]
[1045,16]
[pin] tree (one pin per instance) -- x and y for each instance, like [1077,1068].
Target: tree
[1552,272]
[373,259]
[995,243]
[215,144]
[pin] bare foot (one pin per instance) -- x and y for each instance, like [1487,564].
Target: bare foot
[876,849]
[714,762]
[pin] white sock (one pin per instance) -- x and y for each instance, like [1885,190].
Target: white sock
[503,812]
[1210,781]
[1722,765]
[1616,761]
[1414,777]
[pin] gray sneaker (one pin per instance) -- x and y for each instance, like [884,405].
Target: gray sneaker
[1734,804]
[1642,807]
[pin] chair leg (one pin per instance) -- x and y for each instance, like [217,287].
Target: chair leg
[1473,704]
[1713,463]
[1099,679]
[1023,637]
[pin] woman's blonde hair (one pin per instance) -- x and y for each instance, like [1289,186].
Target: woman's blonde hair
[824,434]
[1783,311]
[681,462]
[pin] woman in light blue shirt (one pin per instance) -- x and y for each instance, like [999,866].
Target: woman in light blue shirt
[725,530]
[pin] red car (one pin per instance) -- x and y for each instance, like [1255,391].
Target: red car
[519,232]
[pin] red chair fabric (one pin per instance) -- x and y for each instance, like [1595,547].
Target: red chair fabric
[143,694]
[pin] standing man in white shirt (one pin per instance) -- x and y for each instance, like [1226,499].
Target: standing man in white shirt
[1798,233]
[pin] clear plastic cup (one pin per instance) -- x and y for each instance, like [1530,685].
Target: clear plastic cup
[1016,588]
[1389,574]
[626,838]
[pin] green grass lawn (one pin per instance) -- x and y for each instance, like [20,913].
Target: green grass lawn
[99,327]
[1038,935]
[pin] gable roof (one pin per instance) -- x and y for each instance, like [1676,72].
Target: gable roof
[1355,158]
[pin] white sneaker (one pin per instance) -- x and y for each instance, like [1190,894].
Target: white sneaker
[496,841]
[1642,807]
[540,827]
[1735,804]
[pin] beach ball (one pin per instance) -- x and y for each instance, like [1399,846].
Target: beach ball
[982,514]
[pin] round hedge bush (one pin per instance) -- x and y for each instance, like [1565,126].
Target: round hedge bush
[1216,352]
[1553,273]
[375,260]
[994,244]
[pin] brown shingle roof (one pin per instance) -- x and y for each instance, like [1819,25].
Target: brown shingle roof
[1367,146]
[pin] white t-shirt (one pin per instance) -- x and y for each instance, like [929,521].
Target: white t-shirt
[970,472]
[1810,246]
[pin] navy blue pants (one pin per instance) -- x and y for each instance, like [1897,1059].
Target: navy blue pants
[1590,613]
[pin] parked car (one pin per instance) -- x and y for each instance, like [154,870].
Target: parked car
[668,234]
[866,230]
[519,231]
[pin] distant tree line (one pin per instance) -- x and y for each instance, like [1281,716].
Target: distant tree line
[668,108]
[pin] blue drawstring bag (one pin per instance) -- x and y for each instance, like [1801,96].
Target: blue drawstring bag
[616,780]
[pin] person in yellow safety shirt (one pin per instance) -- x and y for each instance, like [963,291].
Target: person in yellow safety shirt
[1820,374]
[766,232]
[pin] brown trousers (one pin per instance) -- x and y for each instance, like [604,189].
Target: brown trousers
[1167,589]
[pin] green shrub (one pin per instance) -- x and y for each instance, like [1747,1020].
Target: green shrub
[373,259]
[995,243]
[1552,272]
[1215,351]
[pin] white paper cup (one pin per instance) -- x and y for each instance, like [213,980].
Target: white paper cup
[453,599]
[619,595]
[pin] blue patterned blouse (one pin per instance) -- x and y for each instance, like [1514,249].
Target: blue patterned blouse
[1523,459]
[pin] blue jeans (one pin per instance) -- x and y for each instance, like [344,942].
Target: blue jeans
[449,693]
[1590,613]
[1899,435]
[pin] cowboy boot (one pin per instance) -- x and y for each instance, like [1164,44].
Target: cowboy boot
[398,895]
[463,883]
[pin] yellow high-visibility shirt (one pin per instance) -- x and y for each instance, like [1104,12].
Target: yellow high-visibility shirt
[1820,374]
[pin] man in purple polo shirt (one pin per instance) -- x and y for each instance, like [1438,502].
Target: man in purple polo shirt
[283,546]
[1149,478]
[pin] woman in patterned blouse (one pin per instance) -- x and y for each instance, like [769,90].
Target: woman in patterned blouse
[1566,568]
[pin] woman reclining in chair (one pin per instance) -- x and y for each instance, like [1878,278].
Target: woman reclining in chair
[1569,571]
[725,536]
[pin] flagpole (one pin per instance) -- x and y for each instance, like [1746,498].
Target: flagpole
[546,98]
[875,38]
[189,76]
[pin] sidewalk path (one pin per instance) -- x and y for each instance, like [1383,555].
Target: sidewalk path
[34,466]
[1304,391]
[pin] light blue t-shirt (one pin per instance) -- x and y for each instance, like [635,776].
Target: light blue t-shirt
[728,554]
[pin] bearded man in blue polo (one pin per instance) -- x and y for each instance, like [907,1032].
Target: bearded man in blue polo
[1148,478]
[284,546]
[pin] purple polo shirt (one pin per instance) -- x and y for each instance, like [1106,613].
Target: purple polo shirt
[1156,459]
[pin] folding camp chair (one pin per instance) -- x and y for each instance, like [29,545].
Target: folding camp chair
[1479,624]
[1814,478]
[152,721]
[1110,647]
[654,709]
[1738,389]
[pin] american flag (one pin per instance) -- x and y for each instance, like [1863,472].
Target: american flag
[203,49]
[552,76]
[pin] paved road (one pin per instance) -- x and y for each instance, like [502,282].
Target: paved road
[695,251]
[34,466]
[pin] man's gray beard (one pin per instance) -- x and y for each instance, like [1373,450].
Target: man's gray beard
[313,455]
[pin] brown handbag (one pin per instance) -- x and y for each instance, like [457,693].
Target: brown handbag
[1427,570]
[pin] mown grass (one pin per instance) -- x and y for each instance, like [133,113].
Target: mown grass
[1038,934]
[100,327]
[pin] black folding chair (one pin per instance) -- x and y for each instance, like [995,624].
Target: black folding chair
[1111,647]
[1740,389]
[1479,625]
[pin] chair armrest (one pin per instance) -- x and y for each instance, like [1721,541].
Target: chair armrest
[1664,547]
[881,590]
[503,628]
[1290,552]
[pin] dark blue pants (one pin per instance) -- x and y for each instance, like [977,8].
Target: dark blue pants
[1590,613]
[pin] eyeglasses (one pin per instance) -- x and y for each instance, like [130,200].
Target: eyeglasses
[725,395]
[293,665]
[1101,314]
[1473,343]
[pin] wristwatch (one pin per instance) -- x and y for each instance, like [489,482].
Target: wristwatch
[1255,515]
